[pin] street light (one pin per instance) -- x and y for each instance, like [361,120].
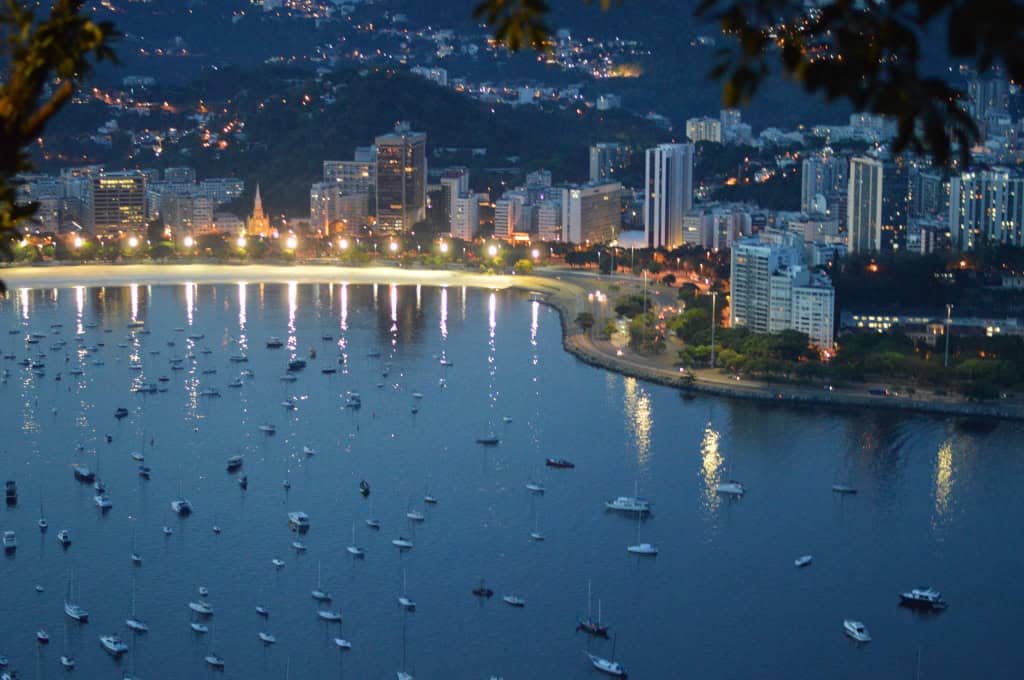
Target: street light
[241,242]
[133,242]
[78,242]
[444,247]
[492,250]
[393,246]
[949,324]
[535,253]
[189,242]
[291,242]
[343,244]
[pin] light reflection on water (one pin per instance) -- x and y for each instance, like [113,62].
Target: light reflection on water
[710,469]
[637,407]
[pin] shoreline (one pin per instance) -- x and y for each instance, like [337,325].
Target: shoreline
[557,293]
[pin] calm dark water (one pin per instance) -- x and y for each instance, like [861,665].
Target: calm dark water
[937,505]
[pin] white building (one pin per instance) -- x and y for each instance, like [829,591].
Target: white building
[704,129]
[771,291]
[668,176]
[592,213]
[465,216]
[549,220]
[508,215]
[986,208]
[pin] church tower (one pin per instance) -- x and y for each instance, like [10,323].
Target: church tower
[258,224]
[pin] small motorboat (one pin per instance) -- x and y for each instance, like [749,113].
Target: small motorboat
[277,562]
[200,628]
[308,450]
[64,537]
[343,644]
[82,472]
[67,662]
[136,455]
[364,488]
[103,502]
[42,637]
[267,428]
[296,364]
[629,504]
[514,601]
[10,541]
[802,561]
[415,516]
[145,471]
[298,520]
[262,611]
[113,644]
[274,343]
[235,462]
[329,616]
[642,549]
[731,488]
[843,489]
[201,607]
[488,440]
[298,546]
[167,530]
[535,487]
[559,463]
[402,543]
[856,630]
[136,624]
[267,638]
[923,597]
[214,660]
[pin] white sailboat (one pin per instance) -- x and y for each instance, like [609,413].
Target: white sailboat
[213,659]
[71,609]
[66,660]
[607,666]
[732,487]
[353,549]
[639,548]
[135,556]
[371,521]
[407,603]
[43,524]
[134,622]
[318,594]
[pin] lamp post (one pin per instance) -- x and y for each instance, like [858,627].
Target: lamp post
[949,324]
[714,299]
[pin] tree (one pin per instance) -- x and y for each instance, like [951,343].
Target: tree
[523,266]
[44,62]
[880,44]
[585,320]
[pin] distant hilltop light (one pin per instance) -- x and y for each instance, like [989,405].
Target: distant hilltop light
[626,71]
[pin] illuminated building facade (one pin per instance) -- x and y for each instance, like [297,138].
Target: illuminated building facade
[401,182]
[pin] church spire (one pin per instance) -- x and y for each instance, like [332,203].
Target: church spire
[257,207]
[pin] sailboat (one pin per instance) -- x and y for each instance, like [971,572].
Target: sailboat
[536,534]
[370,521]
[66,660]
[402,674]
[407,603]
[589,625]
[73,610]
[180,505]
[731,487]
[135,556]
[354,550]
[318,594]
[43,524]
[608,666]
[134,622]
[214,659]
[641,548]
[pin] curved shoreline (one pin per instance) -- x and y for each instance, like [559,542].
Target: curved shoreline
[557,293]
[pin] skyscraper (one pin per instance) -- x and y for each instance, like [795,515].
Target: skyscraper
[401,179]
[116,201]
[592,213]
[814,180]
[668,177]
[986,208]
[704,130]
[864,206]
[606,160]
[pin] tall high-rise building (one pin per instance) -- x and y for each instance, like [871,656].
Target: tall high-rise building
[508,215]
[401,179]
[323,202]
[454,183]
[465,217]
[592,213]
[704,130]
[353,177]
[771,291]
[986,208]
[668,177]
[116,201]
[814,181]
[864,206]
[607,160]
